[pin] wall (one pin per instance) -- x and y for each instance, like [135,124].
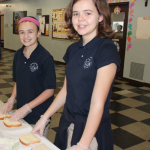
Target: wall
[11,41]
[140,49]
[138,52]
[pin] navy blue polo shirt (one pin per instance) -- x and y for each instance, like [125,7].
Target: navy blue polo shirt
[82,65]
[32,77]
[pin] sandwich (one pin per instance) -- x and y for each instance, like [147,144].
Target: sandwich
[41,147]
[29,139]
[4,116]
[8,123]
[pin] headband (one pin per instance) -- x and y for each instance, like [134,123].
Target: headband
[29,19]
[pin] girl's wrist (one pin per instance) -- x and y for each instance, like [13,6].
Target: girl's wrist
[12,99]
[30,110]
[83,144]
[45,119]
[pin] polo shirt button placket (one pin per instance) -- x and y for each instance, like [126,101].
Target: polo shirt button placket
[83,52]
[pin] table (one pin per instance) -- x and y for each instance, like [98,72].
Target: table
[16,132]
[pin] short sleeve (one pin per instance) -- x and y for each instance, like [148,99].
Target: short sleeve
[107,54]
[69,53]
[49,73]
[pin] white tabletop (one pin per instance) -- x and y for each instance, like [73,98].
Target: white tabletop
[16,132]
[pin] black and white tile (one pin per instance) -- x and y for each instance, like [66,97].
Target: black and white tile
[130,107]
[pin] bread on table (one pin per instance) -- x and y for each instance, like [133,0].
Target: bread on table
[41,147]
[29,139]
[4,116]
[8,123]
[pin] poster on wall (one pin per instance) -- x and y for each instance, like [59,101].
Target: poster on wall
[58,23]
[39,12]
[143,30]
[17,15]
[44,24]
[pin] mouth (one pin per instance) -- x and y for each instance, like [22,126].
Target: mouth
[26,41]
[81,26]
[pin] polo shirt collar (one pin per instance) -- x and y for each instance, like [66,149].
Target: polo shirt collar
[90,44]
[33,54]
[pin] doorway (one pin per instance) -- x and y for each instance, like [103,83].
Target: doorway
[2,30]
[119,24]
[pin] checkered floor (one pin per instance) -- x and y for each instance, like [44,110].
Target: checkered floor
[130,107]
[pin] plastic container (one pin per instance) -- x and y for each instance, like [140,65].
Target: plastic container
[9,144]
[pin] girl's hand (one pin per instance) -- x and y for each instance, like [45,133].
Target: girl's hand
[78,147]
[40,125]
[20,113]
[8,106]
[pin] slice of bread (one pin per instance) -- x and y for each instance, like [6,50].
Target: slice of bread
[41,147]
[4,116]
[29,139]
[11,124]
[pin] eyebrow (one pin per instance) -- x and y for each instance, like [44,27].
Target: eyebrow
[84,10]
[27,30]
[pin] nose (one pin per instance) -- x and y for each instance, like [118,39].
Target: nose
[26,34]
[81,17]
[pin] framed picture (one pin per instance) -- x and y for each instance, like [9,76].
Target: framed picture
[58,22]
[17,15]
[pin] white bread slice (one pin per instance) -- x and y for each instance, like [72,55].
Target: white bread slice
[4,116]
[29,139]
[11,124]
[41,147]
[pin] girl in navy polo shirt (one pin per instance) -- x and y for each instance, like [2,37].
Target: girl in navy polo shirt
[34,75]
[92,63]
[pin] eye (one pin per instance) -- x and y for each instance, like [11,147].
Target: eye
[21,32]
[30,31]
[88,13]
[75,14]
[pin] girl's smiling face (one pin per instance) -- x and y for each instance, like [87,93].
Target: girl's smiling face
[85,18]
[28,34]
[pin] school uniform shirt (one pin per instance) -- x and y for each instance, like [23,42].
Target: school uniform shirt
[32,77]
[82,65]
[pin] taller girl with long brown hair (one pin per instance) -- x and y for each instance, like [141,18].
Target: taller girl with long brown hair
[92,63]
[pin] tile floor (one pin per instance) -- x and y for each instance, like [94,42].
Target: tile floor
[130,107]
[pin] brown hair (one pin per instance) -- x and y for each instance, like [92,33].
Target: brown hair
[104,27]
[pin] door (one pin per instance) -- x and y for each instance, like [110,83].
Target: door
[119,24]
[2,30]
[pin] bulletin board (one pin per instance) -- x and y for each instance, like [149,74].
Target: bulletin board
[58,22]
[16,17]
[44,24]
[143,28]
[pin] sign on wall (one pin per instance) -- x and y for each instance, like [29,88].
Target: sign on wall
[39,12]
[58,22]
[143,28]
